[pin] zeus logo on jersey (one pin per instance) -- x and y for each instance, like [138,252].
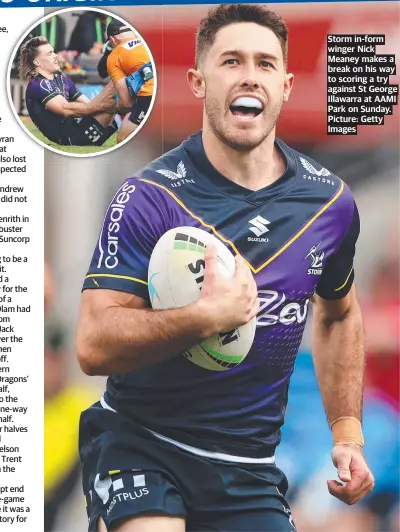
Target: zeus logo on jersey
[114,215]
[270,301]
[275,309]
[316,258]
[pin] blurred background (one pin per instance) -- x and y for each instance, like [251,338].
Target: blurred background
[77,191]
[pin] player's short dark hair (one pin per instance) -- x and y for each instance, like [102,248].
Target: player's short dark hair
[29,51]
[226,14]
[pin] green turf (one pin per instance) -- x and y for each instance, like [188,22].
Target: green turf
[111,142]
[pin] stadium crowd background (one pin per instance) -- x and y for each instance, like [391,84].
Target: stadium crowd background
[78,191]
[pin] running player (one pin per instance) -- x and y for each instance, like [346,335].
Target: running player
[62,113]
[128,60]
[171,446]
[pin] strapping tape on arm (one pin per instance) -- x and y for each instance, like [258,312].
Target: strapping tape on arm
[347,430]
[136,80]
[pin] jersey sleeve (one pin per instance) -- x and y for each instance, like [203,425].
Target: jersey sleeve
[73,92]
[132,226]
[43,90]
[338,274]
[114,67]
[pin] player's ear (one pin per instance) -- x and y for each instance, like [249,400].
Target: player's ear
[36,62]
[196,82]
[287,86]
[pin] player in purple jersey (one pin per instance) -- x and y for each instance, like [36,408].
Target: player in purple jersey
[171,446]
[62,113]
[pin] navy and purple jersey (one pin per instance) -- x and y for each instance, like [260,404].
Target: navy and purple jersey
[41,90]
[298,235]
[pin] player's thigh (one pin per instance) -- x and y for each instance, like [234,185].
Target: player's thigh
[269,520]
[150,523]
[105,119]
[251,499]
[88,131]
[253,520]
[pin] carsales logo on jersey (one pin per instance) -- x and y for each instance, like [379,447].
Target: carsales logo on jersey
[115,213]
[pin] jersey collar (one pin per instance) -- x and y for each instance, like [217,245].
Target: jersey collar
[195,151]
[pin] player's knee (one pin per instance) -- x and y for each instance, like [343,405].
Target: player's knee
[121,136]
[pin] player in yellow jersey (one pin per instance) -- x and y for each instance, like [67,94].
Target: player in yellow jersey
[129,66]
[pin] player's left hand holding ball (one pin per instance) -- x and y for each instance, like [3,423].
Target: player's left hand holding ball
[353,470]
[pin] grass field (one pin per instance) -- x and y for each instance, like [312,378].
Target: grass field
[111,142]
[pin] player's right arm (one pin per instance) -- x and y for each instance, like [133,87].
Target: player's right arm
[117,331]
[118,76]
[125,102]
[78,106]
[59,105]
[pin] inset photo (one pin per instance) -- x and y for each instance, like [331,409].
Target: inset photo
[82,82]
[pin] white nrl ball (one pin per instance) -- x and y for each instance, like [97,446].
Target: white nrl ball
[176,273]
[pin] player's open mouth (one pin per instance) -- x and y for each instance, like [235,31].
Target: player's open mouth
[246,107]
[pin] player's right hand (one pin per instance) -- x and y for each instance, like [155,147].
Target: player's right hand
[227,304]
[109,104]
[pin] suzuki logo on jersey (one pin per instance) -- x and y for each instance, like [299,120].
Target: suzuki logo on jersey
[274,309]
[259,228]
[174,176]
[316,258]
[310,168]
